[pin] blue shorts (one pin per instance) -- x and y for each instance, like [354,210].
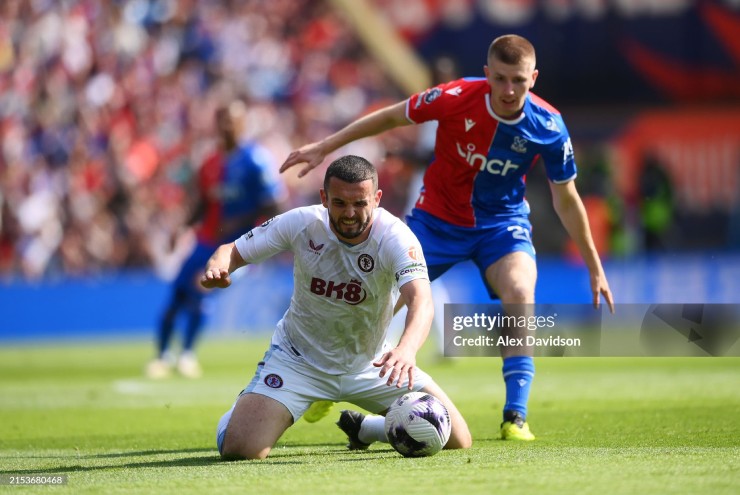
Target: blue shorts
[445,245]
[193,267]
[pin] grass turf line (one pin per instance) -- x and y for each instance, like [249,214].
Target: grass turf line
[604,425]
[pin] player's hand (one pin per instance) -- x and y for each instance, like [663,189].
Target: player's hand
[600,287]
[399,365]
[216,278]
[311,155]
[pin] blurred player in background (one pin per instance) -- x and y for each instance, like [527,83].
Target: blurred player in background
[352,261]
[491,131]
[237,186]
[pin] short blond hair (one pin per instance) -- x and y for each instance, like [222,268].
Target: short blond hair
[511,49]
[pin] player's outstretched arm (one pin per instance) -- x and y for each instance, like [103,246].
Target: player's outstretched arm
[569,207]
[374,123]
[399,363]
[221,264]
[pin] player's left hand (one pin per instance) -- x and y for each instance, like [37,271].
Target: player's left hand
[399,364]
[600,287]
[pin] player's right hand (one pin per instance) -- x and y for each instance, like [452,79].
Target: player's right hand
[399,365]
[311,155]
[216,278]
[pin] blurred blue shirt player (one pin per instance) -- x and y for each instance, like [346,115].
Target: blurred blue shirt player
[238,186]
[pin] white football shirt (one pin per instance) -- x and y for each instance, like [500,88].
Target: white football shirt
[343,295]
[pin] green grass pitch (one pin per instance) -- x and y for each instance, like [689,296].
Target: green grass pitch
[604,426]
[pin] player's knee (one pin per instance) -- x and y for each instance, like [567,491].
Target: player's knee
[460,440]
[467,441]
[242,451]
[460,437]
[234,446]
[517,293]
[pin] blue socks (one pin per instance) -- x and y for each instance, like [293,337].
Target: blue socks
[518,374]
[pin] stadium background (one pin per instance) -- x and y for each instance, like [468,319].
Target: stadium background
[103,122]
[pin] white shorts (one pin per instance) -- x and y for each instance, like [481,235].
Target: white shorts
[297,385]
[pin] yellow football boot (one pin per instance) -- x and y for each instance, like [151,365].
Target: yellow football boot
[515,428]
[318,410]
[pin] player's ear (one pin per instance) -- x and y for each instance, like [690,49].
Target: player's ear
[535,73]
[378,194]
[324,198]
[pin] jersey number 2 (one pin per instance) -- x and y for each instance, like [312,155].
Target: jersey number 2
[519,232]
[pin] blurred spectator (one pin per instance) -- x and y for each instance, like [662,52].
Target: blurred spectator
[604,207]
[104,115]
[656,204]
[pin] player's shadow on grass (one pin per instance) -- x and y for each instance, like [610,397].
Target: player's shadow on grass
[113,455]
[280,455]
[366,455]
[139,453]
[298,450]
[75,466]
[287,455]
[341,453]
[291,454]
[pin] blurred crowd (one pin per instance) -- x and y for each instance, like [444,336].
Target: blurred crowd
[106,111]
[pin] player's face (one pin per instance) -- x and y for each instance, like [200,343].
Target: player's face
[350,208]
[509,85]
[230,121]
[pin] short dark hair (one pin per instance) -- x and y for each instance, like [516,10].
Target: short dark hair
[352,169]
[511,49]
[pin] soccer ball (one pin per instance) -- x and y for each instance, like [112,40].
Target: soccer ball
[417,425]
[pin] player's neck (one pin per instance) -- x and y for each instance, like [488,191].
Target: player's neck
[354,241]
[511,116]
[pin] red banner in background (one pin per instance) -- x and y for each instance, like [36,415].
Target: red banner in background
[620,52]
[699,149]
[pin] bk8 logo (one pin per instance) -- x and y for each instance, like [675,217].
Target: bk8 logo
[352,292]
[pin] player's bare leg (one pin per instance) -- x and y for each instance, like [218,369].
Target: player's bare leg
[257,422]
[513,278]
[460,437]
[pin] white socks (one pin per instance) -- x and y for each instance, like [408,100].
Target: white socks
[372,429]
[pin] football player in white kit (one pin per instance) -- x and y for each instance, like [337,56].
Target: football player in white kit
[352,262]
